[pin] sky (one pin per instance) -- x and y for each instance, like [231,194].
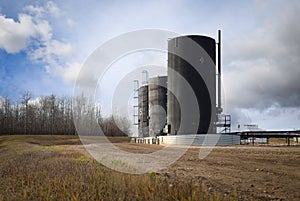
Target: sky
[43,45]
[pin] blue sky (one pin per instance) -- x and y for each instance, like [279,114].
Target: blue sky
[44,43]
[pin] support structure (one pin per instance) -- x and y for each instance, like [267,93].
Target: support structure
[135,102]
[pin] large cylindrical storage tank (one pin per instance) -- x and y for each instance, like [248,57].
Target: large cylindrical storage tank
[143,116]
[157,105]
[191,62]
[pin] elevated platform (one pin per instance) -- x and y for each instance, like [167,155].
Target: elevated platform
[267,134]
[245,135]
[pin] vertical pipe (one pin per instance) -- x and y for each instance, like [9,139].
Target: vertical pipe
[219,71]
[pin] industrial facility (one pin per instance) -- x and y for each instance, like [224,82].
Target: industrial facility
[166,110]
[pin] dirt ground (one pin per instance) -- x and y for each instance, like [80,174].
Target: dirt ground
[252,172]
[255,173]
[246,172]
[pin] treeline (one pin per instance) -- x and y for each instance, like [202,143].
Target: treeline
[55,115]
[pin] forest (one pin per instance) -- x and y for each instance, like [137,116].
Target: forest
[55,116]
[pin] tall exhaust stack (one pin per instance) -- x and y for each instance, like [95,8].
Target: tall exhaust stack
[219,73]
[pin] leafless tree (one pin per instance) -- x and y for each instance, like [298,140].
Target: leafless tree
[55,115]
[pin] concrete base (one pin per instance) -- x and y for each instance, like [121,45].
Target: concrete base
[196,140]
[201,140]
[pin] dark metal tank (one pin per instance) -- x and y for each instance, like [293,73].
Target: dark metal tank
[192,62]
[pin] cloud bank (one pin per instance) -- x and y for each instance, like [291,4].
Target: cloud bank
[263,67]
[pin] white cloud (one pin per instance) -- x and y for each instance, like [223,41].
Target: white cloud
[34,34]
[70,72]
[32,26]
[60,49]
[53,9]
[43,30]
[14,36]
[51,52]
[38,11]
[50,8]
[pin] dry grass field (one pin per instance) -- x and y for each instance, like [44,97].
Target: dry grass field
[58,168]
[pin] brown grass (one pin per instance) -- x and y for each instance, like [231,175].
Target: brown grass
[36,168]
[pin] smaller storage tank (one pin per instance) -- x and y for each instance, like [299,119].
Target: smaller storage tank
[143,120]
[157,105]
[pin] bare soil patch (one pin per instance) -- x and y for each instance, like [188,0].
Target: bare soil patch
[254,173]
